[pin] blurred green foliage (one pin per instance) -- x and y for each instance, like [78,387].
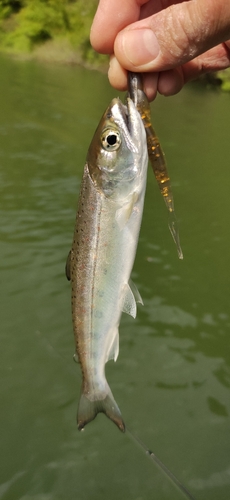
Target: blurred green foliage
[7,7]
[224,77]
[26,23]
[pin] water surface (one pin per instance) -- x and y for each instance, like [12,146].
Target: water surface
[172,377]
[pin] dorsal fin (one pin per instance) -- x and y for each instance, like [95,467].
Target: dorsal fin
[68,266]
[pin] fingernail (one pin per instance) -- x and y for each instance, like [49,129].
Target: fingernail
[117,74]
[140,46]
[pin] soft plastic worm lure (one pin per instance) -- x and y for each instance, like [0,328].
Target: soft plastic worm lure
[156,155]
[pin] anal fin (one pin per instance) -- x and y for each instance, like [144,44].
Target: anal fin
[113,350]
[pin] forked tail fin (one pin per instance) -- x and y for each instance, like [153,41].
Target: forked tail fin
[88,410]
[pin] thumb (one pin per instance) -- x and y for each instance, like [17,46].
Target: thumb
[174,35]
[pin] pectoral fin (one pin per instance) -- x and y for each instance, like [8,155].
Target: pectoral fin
[123,214]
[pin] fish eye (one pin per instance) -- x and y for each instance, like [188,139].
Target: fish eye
[111,140]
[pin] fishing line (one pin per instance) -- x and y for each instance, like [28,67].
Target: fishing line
[51,349]
[160,465]
[48,347]
[174,230]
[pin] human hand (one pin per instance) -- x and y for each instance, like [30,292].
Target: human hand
[170,42]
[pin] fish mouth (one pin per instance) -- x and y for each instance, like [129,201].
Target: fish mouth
[125,118]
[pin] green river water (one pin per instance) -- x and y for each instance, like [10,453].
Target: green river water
[172,377]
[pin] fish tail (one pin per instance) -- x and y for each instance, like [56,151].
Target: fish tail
[88,410]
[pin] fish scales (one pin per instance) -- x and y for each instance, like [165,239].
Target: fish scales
[99,280]
[104,246]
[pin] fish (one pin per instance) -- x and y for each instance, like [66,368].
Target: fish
[155,152]
[102,255]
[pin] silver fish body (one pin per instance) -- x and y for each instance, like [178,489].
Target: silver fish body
[103,251]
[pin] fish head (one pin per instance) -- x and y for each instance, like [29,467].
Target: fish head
[117,156]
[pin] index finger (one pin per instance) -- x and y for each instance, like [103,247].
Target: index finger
[111,17]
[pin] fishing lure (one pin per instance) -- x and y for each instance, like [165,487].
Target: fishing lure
[156,155]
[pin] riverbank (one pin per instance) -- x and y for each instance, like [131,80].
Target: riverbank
[56,31]
[60,52]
